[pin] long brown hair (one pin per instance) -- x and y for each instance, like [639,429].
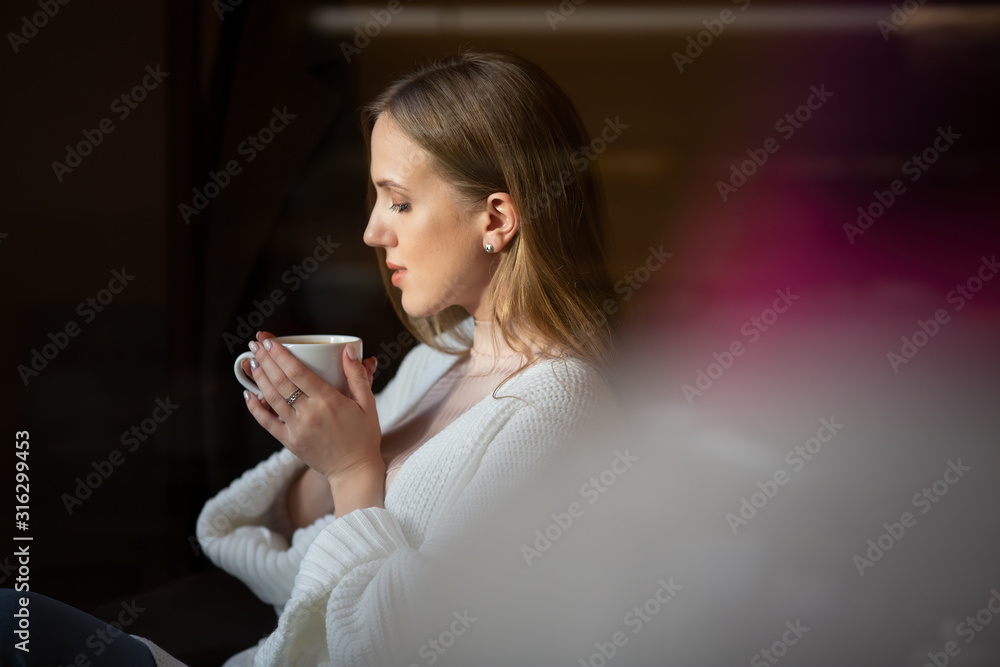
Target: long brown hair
[494,122]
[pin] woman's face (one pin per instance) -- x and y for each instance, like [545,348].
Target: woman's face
[434,248]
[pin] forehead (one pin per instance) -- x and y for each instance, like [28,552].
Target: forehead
[394,155]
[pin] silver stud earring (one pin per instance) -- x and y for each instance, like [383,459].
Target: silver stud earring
[489,247]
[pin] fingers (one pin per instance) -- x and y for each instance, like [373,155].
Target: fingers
[371,363]
[246,368]
[274,385]
[288,373]
[249,371]
[278,374]
[359,381]
[265,416]
[270,397]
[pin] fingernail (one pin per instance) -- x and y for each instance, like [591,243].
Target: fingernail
[253,364]
[267,343]
[374,363]
[246,395]
[254,347]
[351,353]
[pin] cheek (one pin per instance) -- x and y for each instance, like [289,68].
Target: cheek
[427,247]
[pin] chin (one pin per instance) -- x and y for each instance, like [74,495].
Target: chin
[415,307]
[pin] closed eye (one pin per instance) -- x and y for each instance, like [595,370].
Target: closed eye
[399,208]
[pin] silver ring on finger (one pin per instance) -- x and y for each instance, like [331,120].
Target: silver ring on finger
[295,394]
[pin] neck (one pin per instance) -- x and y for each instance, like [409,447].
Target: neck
[487,341]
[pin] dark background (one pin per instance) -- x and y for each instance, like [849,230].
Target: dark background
[163,335]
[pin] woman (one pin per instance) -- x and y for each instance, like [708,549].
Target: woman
[477,209]
[488,232]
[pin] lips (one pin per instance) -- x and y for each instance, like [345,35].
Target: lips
[398,272]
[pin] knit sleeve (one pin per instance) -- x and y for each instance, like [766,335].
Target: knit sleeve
[361,580]
[243,529]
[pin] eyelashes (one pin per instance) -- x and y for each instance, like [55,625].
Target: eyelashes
[399,208]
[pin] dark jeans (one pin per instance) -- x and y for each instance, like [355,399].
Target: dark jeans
[201,620]
[58,634]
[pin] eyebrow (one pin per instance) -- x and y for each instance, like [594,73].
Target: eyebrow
[386,183]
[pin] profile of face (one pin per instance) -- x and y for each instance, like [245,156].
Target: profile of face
[433,245]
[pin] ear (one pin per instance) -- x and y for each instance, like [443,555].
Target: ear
[502,220]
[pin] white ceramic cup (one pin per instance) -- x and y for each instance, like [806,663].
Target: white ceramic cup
[320,353]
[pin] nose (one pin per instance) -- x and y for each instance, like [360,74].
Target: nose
[378,233]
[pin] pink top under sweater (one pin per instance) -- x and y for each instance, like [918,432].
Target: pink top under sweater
[471,379]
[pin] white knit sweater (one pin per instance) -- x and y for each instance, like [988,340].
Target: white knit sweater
[343,586]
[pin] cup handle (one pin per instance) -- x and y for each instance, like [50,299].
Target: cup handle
[241,376]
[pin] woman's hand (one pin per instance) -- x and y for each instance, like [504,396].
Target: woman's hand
[336,435]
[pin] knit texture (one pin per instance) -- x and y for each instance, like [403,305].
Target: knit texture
[343,587]
[466,383]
